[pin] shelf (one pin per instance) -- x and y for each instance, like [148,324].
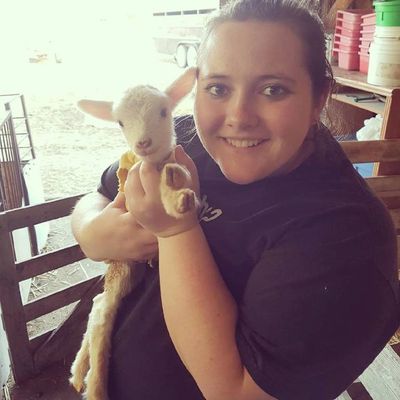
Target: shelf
[373,106]
[357,80]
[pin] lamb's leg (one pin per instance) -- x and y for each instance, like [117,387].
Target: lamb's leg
[100,349]
[117,285]
[176,200]
[80,366]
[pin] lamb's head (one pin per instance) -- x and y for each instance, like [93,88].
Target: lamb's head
[144,115]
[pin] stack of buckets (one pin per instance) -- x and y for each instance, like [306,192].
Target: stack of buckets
[384,52]
[368,22]
[347,38]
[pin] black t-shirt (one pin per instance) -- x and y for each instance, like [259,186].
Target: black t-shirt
[310,258]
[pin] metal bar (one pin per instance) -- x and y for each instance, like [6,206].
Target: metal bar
[28,128]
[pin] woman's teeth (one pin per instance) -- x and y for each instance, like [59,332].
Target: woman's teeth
[243,143]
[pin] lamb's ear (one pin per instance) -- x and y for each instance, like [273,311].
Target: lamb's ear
[182,86]
[96,108]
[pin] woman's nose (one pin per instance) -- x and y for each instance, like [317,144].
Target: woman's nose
[241,113]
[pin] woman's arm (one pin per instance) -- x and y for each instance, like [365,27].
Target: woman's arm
[199,311]
[105,230]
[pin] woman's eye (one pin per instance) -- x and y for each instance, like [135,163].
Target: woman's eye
[274,91]
[217,90]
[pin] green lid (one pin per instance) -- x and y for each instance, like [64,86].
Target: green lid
[387,13]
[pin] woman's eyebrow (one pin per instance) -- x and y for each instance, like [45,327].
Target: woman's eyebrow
[214,76]
[265,77]
[280,77]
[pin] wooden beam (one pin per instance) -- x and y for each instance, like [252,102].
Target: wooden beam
[330,19]
[384,183]
[58,299]
[66,339]
[344,396]
[372,150]
[46,262]
[391,125]
[381,378]
[32,215]
[12,309]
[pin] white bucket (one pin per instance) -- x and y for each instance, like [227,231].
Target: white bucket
[384,62]
[392,32]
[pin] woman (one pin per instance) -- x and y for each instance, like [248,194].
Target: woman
[286,288]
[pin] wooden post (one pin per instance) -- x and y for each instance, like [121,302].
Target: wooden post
[391,129]
[12,308]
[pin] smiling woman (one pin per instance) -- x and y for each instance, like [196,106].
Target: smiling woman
[266,296]
[242,107]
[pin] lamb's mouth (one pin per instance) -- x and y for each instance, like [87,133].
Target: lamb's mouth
[244,143]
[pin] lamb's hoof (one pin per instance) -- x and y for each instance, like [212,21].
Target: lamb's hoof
[77,384]
[186,201]
[175,176]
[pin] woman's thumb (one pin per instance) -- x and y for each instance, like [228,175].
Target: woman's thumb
[182,158]
[119,201]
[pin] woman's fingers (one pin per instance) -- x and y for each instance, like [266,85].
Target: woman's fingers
[182,158]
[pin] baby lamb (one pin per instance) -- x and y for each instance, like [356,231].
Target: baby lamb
[145,117]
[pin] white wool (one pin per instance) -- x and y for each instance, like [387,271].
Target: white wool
[145,113]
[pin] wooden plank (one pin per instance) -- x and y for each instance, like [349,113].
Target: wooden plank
[66,339]
[375,107]
[12,311]
[384,183]
[395,214]
[330,18]
[58,299]
[372,150]
[357,80]
[398,255]
[390,198]
[32,215]
[344,396]
[391,129]
[381,378]
[46,262]
[36,341]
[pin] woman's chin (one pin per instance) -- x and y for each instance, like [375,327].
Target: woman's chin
[242,177]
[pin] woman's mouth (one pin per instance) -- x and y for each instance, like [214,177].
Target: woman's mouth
[244,143]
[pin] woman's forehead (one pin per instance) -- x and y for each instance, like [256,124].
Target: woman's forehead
[262,47]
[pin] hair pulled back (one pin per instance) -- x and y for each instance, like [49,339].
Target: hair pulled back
[299,15]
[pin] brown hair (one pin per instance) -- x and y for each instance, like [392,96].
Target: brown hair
[297,14]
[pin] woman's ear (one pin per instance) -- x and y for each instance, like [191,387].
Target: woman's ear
[182,86]
[96,108]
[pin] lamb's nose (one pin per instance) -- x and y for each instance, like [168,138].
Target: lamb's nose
[143,144]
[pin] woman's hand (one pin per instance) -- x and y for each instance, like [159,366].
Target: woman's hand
[105,230]
[144,202]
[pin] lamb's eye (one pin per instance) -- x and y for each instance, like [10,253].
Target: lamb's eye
[121,124]
[163,112]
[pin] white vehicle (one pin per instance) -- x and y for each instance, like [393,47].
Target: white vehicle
[178,25]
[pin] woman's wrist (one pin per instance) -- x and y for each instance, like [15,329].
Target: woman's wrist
[178,230]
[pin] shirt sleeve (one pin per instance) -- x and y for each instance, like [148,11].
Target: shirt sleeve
[316,310]
[108,185]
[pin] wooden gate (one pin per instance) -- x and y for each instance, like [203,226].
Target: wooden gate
[29,355]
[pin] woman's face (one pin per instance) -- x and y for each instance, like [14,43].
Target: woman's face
[254,104]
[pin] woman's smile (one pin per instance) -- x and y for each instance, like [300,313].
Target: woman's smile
[243,143]
[254,112]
